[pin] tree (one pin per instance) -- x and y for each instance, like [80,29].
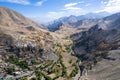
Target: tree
[34,78]
[39,74]
[10,70]
[23,65]
[24,78]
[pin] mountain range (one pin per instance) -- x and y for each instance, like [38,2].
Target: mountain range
[82,47]
[76,21]
[99,45]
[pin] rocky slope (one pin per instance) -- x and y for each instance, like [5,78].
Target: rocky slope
[21,35]
[93,46]
[28,49]
[107,69]
[26,45]
[101,32]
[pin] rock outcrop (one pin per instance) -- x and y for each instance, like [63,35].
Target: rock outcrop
[93,45]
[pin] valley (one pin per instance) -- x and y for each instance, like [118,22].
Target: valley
[30,52]
[70,48]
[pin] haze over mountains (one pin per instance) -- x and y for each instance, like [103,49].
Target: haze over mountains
[76,21]
[73,48]
[73,24]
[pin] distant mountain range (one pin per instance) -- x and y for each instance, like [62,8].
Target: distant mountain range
[76,21]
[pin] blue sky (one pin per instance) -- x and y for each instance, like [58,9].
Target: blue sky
[46,10]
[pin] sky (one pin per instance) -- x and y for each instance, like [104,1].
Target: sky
[47,10]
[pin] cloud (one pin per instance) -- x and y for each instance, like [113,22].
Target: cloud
[56,15]
[23,2]
[67,10]
[70,4]
[40,2]
[112,6]
[104,2]
[72,8]
[87,4]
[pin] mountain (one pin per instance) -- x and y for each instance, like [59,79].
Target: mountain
[99,45]
[10,19]
[105,32]
[110,21]
[76,21]
[94,15]
[67,30]
[27,50]
[18,33]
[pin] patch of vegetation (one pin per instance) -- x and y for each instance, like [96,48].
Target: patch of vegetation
[24,78]
[33,61]
[48,63]
[64,71]
[70,61]
[40,74]
[58,49]
[22,64]
[10,70]
[67,48]
[56,69]
[13,60]
[34,78]
[47,77]
[75,70]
